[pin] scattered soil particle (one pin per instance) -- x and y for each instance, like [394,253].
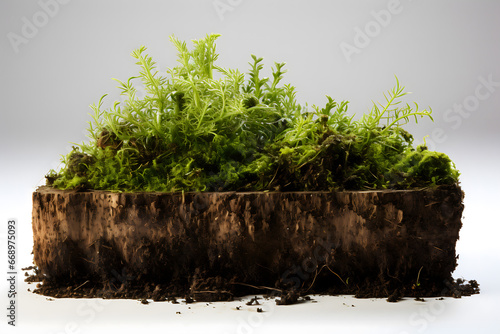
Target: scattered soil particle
[29,268]
[394,297]
[35,277]
[253,301]
[289,298]
[462,287]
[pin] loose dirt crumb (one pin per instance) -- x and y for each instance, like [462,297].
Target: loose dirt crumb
[253,301]
[394,297]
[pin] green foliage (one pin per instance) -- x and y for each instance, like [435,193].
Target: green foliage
[192,132]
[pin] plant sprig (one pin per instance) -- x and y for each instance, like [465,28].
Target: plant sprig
[391,112]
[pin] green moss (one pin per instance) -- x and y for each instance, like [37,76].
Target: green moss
[422,168]
[192,132]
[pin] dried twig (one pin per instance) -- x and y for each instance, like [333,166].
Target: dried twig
[317,273]
[81,285]
[258,287]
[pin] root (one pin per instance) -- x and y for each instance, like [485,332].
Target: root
[317,273]
[258,287]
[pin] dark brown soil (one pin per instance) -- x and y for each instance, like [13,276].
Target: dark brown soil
[218,246]
[113,290]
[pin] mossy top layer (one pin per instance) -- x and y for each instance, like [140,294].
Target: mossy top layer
[194,132]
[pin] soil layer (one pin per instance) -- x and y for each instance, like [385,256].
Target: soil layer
[214,246]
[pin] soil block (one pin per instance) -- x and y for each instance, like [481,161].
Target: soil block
[221,244]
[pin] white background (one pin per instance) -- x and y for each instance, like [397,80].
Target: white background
[58,57]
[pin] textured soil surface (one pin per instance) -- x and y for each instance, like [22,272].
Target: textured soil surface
[216,246]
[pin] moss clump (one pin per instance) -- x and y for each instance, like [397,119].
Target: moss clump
[194,132]
[420,166]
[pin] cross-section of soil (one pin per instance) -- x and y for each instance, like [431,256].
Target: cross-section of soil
[214,246]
